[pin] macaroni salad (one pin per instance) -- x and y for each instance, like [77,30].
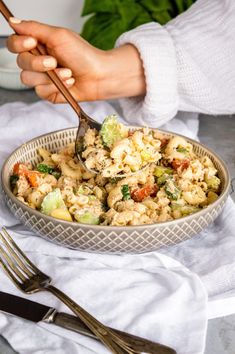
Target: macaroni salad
[118,150]
[175,183]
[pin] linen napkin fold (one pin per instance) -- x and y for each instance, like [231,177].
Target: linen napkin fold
[151,295]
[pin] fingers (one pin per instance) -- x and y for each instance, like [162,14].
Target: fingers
[50,92]
[33,29]
[44,88]
[31,78]
[19,44]
[30,62]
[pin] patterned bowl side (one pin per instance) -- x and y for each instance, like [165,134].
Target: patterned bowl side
[107,239]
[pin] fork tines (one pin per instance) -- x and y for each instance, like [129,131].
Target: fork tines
[13,260]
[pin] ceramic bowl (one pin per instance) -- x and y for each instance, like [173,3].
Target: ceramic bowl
[108,239]
[10,72]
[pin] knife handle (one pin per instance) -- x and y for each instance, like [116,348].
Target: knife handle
[143,345]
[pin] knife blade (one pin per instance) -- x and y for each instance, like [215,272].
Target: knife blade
[36,312]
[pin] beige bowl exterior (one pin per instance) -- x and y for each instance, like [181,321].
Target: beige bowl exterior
[107,239]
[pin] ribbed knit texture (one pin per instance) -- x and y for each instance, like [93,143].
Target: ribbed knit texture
[189,64]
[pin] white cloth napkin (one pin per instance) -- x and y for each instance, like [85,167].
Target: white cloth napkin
[152,295]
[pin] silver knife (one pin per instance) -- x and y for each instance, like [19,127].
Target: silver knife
[36,312]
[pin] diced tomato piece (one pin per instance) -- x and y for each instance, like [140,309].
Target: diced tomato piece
[33,178]
[182,164]
[141,193]
[20,169]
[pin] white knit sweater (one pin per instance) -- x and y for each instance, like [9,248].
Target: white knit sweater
[189,64]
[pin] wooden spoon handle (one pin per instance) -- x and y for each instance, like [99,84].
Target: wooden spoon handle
[41,50]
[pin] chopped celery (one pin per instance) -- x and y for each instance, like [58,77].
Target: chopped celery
[161,170]
[145,156]
[172,190]
[182,150]
[88,218]
[80,190]
[112,131]
[52,201]
[213,183]
[184,209]
[115,180]
[189,209]
[92,197]
[211,197]
[162,180]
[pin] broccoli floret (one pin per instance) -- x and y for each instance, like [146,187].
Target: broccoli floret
[88,218]
[126,192]
[43,168]
[52,201]
[13,180]
[213,183]
[112,131]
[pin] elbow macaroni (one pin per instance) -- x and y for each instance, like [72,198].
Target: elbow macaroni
[148,199]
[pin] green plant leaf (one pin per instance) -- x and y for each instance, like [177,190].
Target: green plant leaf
[113,17]
[189,3]
[130,10]
[162,17]
[180,5]
[102,30]
[143,17]
[156,5]
[94,6]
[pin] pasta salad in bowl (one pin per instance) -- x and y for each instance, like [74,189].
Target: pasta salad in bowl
[179,191]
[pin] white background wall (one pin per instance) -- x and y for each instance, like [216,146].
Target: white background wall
[64,13]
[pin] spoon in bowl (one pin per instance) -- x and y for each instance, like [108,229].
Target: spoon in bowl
[85,121]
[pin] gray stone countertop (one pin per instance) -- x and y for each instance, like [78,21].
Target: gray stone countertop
[218,133]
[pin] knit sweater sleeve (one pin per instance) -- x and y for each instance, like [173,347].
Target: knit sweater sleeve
[189,64]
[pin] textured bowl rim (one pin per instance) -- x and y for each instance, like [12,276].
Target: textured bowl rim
[110,227]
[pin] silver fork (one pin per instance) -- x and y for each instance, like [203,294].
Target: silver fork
[28,278]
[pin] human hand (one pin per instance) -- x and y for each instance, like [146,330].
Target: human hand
[88,72]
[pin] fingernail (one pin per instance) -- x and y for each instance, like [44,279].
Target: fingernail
[29,42]
[14,20]
[65,73]
[49,63]
[70,81]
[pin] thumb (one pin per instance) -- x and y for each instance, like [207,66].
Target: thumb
[38,30]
